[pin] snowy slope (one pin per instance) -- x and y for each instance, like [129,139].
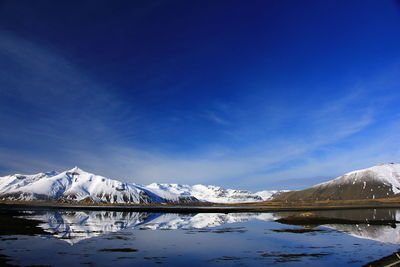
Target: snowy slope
[76,185]
[379,181]
[387,174]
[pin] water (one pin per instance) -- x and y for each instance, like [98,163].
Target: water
[103,238]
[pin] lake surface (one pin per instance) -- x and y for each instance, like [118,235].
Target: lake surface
[105,238]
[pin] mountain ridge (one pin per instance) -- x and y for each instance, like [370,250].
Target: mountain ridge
[77,185]
[379,181]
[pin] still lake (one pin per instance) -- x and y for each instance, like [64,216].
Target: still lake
[106,238]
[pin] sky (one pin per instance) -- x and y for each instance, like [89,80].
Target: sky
[242,94]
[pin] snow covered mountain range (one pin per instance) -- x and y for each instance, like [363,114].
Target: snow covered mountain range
[76,185]
[380,181]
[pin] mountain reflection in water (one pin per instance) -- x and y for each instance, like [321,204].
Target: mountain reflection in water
[74,226]
[103,238]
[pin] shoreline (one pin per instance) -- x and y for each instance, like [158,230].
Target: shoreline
[213,208]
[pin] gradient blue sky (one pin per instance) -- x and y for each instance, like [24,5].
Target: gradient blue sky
[242,94]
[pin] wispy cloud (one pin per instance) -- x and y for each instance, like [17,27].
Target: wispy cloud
[67,118]
[212,116]
[249,167]
[48,104]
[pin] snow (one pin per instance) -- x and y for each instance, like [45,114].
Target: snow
[77,185]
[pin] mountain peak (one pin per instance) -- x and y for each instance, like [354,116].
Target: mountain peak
[384,170]
[76,169]
[386,165]
[77,185]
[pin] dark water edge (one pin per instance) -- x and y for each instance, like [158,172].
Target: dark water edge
[208,207]
[368,237]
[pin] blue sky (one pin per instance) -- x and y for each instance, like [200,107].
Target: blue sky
[242,94]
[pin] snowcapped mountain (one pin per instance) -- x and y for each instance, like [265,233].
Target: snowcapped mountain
[76,185]
[80,186]
[269,194]
[212,193]
[380,181]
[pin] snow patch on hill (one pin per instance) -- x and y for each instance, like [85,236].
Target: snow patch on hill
[387,174]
